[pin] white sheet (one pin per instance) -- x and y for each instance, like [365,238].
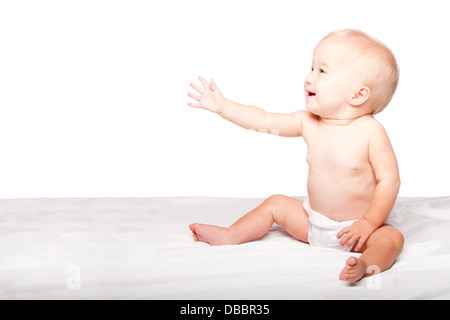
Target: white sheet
[141,248]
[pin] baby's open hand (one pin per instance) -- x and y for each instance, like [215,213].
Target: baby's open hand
[210,98]
[359,232]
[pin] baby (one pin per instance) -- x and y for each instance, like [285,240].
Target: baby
[353,179]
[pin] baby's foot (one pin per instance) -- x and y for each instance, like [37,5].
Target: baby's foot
[213,235]
[354,270]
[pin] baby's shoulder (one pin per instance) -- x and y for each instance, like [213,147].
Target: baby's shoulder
[371,125]
[372,129]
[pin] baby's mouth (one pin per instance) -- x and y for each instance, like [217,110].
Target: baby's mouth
[311,94]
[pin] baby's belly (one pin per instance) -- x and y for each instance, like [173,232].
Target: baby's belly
[341,197]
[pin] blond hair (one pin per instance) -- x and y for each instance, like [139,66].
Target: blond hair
[377,57]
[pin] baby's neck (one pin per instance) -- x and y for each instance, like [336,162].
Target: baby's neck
[340,122]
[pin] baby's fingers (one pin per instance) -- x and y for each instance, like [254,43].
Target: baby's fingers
[194,105]
[359,245]
[214,86]
[345,239]
[196,88]
[194,96]
[204,82]
[361,241]
[352,241]
[342,232]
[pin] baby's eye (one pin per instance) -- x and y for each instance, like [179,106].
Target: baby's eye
[320,70]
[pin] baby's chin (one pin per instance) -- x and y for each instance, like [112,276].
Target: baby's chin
[313,110]
[326,113]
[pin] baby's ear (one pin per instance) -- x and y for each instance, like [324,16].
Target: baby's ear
[360,97]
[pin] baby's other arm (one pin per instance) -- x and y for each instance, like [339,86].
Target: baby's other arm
[384,164]
[248,117]
[385,167]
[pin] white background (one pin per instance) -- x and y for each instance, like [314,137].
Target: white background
[93,94]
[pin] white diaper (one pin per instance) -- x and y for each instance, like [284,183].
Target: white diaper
[323,231]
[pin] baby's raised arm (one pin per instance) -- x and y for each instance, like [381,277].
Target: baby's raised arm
[211,98]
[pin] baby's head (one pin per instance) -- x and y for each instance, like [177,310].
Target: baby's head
[352,74]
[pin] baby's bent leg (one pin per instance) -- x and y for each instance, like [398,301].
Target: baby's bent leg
[282,210]
[380,251]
